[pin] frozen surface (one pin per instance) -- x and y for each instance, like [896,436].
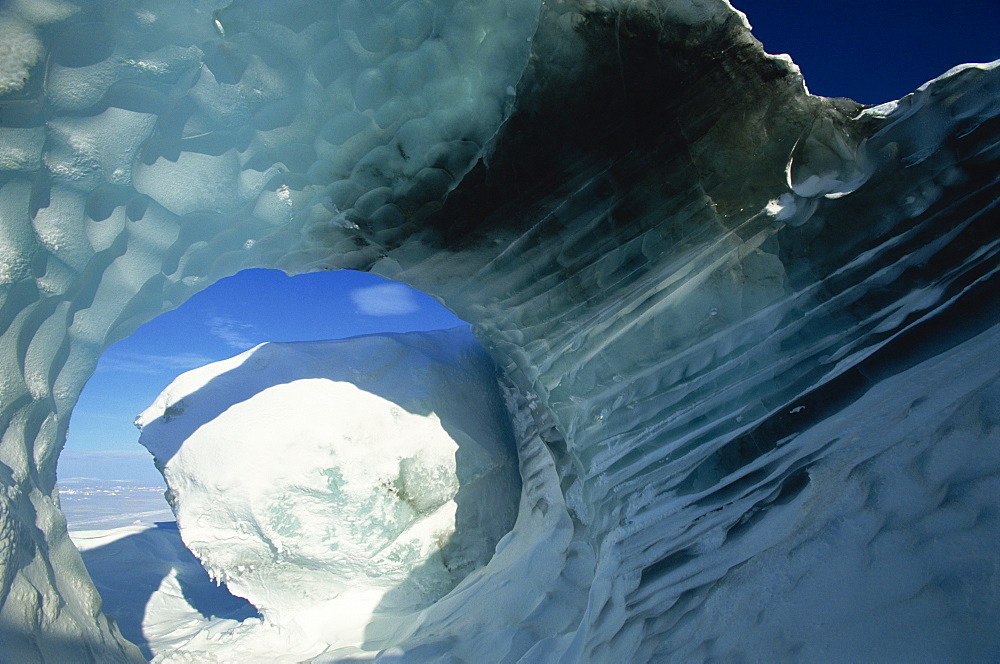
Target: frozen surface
[157,591]
[339,486]
[91,504]
[747,335]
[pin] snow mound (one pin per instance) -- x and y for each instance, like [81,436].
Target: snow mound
[329,481]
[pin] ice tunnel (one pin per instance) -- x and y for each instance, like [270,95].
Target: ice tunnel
[748,334]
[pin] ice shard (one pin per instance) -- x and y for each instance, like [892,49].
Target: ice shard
[748,334]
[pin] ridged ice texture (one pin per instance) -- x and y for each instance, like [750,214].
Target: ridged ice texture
[147,146]
[749,335]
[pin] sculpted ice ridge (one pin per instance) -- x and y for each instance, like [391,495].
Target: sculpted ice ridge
[746,333]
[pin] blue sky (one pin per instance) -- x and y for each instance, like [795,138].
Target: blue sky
[875,51]
[223,320]
[870,50]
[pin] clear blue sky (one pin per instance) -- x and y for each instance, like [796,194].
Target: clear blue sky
[870,50]
[875,51]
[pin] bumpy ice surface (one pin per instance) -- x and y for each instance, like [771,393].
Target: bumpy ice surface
[747,334]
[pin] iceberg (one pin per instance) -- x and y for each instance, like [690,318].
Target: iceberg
[746,334]
[340,486]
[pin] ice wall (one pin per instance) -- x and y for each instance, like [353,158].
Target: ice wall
[746,332]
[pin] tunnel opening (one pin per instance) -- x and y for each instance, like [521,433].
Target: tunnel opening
[113,497]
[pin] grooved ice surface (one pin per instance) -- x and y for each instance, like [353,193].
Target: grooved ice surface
[747,335]
[340,486]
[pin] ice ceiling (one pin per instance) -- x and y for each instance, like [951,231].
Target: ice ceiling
[749,334]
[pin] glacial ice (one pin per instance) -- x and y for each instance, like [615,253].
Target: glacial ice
[747,335]
[329,481]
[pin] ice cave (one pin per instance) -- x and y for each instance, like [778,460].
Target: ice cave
[746,336]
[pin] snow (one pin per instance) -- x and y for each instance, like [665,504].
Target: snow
[21,46]
[745,336]
[165,600]
[336,484]
[92,504]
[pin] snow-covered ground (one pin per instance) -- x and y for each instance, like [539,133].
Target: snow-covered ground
[92,503]
[150,583]
[157,591]
[165,602]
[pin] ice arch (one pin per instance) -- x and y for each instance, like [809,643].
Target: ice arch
[748,332]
